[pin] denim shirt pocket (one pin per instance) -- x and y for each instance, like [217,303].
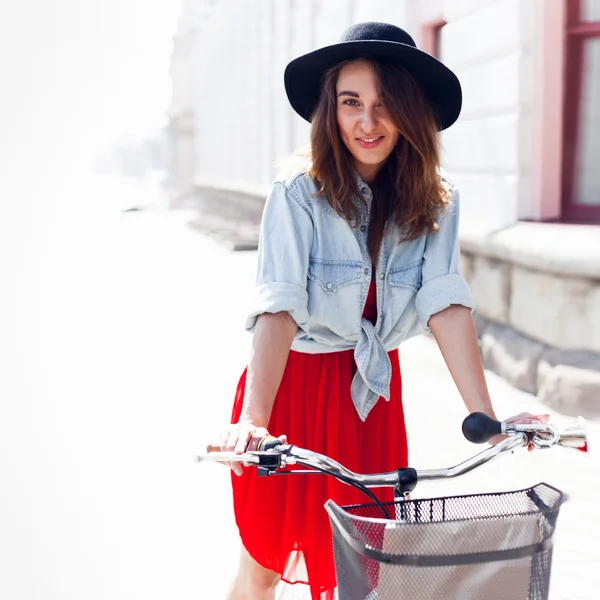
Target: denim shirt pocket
[332,296]
[407,276]
[332,275]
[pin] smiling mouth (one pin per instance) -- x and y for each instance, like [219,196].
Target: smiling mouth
[370,139]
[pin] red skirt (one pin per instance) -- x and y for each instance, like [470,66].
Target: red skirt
[282,522]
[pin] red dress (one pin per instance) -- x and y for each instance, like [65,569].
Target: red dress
[281,519]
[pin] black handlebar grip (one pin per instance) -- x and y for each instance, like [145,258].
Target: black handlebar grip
[478,428]
[268,443]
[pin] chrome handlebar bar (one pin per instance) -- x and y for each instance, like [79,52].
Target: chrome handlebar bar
[540,436]
[292,455]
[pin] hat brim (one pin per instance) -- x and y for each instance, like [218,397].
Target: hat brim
[303,76]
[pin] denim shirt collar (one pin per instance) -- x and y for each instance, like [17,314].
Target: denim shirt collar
[363,187]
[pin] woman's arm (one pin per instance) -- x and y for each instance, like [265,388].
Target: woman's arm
[444,306]
[279,309]
[271,342]
[454,331]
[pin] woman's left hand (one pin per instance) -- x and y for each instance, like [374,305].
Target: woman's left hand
[523,417]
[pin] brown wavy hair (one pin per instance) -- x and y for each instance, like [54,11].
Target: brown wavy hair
[408,190]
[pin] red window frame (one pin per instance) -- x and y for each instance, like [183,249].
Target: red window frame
[430,36]
[577,33]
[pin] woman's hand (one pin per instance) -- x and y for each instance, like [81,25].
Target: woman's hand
[242,437]
[523,417]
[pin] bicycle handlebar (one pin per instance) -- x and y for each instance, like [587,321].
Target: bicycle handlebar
[477,428]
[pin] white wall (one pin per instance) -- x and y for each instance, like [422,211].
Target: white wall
[488,151]
[182,162]
[387,11]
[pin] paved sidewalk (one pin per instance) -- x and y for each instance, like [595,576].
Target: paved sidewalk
[135,368]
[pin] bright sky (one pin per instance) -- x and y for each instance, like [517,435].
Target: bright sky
[75,76]
[79,73]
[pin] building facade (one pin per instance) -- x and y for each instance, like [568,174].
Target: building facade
[523,152]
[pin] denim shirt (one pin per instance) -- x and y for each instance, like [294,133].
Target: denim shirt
[315,265]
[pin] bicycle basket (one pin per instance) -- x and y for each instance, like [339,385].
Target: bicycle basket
[492,546]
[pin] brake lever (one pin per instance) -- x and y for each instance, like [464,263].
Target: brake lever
[544,436]
[541,436]
[511,428]
[271,460]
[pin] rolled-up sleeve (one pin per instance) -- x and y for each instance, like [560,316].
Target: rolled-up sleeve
[285,241]
[442,282]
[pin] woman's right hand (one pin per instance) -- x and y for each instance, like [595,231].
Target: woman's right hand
[242,437]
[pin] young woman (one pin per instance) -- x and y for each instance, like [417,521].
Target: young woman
[358,252]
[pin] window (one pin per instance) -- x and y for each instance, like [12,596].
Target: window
[581,175]
[431,37]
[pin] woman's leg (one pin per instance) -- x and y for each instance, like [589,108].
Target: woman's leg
[253,582]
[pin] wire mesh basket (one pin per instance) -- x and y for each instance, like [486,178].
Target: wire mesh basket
[485,546]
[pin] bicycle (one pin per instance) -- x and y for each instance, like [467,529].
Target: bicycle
[489,545]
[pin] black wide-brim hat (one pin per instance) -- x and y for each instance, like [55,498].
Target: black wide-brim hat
[303,76]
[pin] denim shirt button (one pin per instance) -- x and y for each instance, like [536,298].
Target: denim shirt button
[381,275]
[363,190]
[329,286]
[363,228]
[366,270]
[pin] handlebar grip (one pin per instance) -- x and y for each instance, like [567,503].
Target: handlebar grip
[268,443]
[478,428]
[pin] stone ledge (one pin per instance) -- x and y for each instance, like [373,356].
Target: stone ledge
[559,311]
[230,211]
[567,381]
[243,190]
[571,250]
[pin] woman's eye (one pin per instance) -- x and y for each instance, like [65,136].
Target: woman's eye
[350,102]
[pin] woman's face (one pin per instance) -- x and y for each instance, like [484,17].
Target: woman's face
[365,126]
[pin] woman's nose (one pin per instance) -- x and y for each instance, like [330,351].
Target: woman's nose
[368,119]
